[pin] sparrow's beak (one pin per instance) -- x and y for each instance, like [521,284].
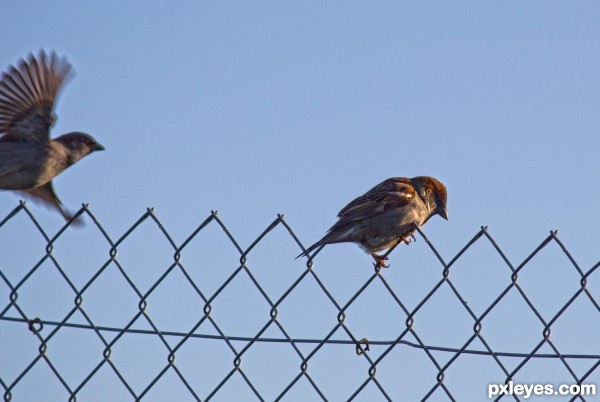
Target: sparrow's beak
[98,147]
[444,213]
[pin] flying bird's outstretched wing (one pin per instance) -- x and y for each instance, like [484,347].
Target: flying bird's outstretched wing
[27,96]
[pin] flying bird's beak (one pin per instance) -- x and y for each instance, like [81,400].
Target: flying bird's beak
[444,214]
[98,147]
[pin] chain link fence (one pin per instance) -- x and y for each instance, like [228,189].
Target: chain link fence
[86,316]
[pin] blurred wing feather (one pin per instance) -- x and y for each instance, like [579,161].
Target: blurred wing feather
[27,96]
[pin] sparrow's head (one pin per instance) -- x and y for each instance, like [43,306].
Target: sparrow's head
[434,194]
[79,145]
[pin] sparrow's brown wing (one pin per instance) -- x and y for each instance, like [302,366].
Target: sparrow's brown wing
[27,96]
[47,195]
[392,193]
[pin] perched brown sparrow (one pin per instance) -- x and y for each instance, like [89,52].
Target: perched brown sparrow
[386,214]
[29,159]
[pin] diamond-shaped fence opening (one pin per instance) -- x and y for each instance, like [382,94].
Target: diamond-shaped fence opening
[142,316]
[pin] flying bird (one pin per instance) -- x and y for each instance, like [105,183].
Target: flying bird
[386,215]
[29,159]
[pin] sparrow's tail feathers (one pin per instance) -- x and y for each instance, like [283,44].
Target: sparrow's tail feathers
[337,234]
[311,248]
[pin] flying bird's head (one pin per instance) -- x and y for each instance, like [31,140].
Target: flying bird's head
[79,145]
[434,194]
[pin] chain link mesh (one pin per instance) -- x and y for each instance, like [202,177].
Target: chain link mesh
[107,322]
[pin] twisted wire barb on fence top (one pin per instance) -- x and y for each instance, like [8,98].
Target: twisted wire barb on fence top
[12,313]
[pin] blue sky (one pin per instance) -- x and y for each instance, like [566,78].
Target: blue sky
[255,109]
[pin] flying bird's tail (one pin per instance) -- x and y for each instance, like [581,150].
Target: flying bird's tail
[46,195]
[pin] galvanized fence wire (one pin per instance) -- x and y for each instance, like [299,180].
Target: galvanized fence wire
[51,328]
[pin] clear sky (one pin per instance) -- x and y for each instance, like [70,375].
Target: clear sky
[260,108]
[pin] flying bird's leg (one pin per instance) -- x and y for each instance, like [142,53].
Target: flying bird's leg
[379,260]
